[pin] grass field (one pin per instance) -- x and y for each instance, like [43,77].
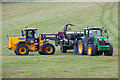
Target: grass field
[50,18]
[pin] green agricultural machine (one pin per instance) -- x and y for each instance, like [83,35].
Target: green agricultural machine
[95,42]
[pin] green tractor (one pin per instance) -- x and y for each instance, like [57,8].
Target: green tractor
[95,42]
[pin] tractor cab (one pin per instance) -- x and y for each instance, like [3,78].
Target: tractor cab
[95,34]
[92,32]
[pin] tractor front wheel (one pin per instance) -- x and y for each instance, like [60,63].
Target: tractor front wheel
[48,49]
[110,52]
[91,50]
[22,49]
[99,53]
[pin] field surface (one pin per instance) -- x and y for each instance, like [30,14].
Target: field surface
[50,18]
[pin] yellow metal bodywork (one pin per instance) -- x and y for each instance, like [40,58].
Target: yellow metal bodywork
[40,44]
[14,40]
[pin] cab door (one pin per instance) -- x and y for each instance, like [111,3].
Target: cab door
[30,38]
[86,36]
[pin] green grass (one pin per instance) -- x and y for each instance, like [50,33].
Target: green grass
[50,18]
[65,66]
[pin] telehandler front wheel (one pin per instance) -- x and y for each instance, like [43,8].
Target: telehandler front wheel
[91,50]
[48,49]
[22,49]
[110,52]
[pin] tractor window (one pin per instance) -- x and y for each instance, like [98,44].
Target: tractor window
[36,35]
[31,34]
[94,33]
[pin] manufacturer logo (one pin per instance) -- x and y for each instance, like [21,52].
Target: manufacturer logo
[31,41]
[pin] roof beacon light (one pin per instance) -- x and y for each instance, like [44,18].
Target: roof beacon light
[102,26]
[86,26]
[25,26]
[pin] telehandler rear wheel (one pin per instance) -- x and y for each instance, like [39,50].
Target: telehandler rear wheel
[22,49]
[48,49]
[91,50]
[41,53]
[110,52]
[81,47]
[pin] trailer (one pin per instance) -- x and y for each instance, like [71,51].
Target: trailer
[63,38]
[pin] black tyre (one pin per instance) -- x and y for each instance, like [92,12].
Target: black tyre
[81,47]
[48,49]
[22,49]
[109,53]
[41,53]
[99,53]
[91,50]
[63,49]
[15,52]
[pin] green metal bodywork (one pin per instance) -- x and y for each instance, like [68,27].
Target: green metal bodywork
[100,47]
[103,48]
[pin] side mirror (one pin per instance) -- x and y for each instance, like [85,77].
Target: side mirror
[107,37]
[105,31]
[22,32]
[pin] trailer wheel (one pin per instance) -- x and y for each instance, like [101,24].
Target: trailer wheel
[109,53]
[63,49]
[91,50]
[80,47]
[22,49]
[48,49]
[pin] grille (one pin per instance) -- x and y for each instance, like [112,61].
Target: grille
[102,42]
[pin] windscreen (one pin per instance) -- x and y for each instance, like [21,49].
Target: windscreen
[36,35]
[95,33]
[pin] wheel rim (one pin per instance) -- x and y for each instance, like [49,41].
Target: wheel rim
[22,50]
[80,47]
[89,50]
[49,49]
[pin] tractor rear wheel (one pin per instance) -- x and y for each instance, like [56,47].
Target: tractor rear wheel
[48,49]
[80,47]
[63,49]
[22,49]
[91,50]
[110,52]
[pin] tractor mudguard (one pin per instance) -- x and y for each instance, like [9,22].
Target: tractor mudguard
[44,45]
[20,42]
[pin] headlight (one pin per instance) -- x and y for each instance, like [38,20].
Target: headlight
[104,39]
[100,39]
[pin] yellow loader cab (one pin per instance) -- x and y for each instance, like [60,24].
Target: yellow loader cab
[30,42]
